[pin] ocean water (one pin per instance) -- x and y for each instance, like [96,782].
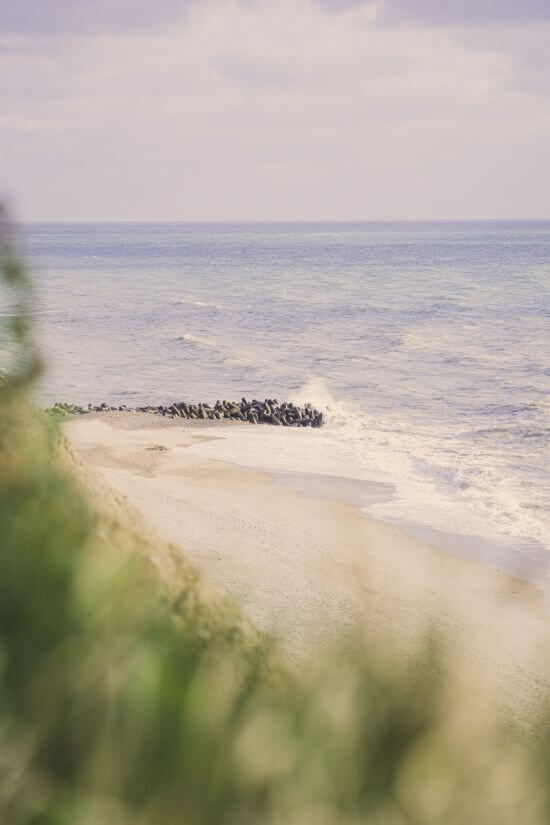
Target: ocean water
[428,344]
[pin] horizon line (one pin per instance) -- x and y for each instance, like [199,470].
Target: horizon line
[227,221]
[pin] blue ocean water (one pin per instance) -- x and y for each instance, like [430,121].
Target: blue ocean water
[429,343]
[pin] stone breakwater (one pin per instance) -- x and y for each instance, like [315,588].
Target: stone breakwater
[269,411]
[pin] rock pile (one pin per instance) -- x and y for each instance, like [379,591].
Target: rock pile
[269,411]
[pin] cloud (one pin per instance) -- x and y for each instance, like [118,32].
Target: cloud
[271,110]
[88,17]
[85,17]
[445,13]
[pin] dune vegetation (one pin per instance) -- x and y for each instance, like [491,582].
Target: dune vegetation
[131,693]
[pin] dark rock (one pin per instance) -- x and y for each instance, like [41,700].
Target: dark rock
[269,411]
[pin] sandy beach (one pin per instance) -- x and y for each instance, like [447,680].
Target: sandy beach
[310,570]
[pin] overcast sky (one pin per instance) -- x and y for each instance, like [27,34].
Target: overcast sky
[275,109]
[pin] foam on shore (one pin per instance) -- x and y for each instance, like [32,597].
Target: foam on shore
[326,461]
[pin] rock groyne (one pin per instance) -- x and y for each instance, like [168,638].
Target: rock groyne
[269,411]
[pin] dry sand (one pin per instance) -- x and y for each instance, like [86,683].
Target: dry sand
[309,570]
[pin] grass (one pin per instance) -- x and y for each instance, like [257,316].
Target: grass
[128,696]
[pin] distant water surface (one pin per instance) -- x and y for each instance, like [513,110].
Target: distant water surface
[429,342]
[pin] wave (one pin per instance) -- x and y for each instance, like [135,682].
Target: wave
[197,303]
[196,340]
[316,392]
[442,479]
[31,314]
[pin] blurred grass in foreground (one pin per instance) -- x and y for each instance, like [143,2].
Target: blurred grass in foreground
[128,699]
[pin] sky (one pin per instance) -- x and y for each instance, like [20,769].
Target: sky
[236,110]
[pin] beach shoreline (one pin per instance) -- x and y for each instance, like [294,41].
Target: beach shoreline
[310,570]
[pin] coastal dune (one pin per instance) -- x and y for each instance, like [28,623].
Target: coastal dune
[313,572]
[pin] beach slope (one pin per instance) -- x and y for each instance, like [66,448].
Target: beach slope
[311,571]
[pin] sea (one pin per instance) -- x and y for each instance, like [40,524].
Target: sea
[426,344]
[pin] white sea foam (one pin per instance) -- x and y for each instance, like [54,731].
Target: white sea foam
[432,487]
[198,341]
[191,301]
